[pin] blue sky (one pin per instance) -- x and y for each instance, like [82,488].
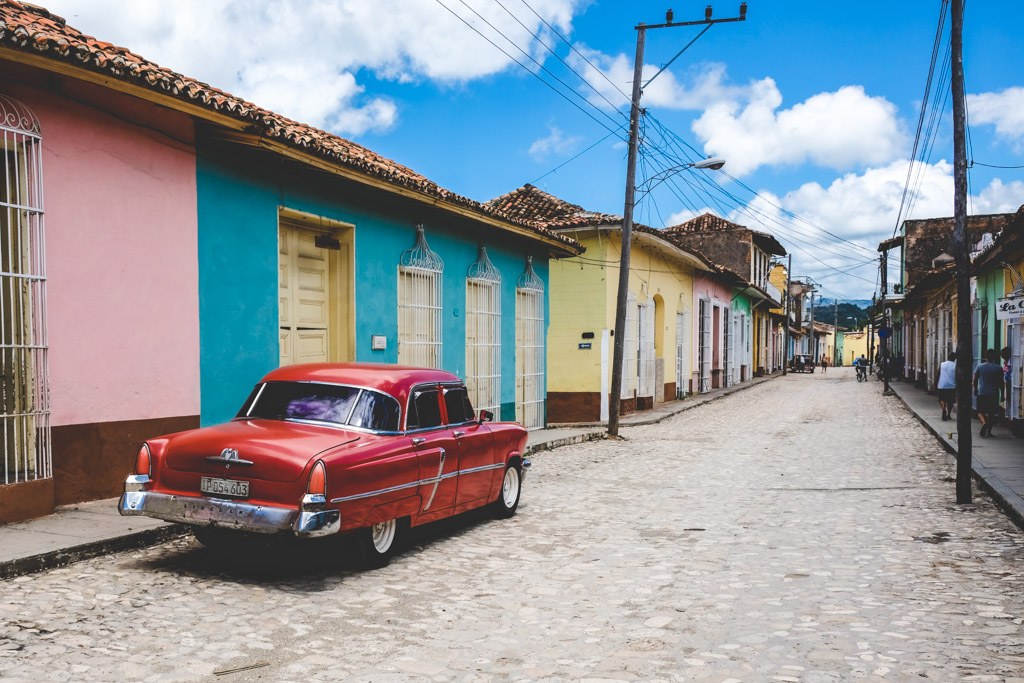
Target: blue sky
[814,105]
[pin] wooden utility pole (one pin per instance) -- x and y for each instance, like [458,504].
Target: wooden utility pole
[961,256]
[622,298]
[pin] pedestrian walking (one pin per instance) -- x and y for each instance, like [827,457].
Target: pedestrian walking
[945,385]
[824,364]
[988,382]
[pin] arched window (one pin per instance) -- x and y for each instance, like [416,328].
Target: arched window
[483,334]
[419,305]
[24,392]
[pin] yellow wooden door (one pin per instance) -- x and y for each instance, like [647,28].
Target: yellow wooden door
[304,297]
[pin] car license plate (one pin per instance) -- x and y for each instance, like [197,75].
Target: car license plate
[224,487]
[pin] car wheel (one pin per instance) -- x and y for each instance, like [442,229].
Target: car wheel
[508,497]
[377,544]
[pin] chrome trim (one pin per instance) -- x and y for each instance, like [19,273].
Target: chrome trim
[421,482]
[418,440]
[412,396]
[458,433]
[137,482]
[440,470]
[229,460]
[263,519]
[263,385]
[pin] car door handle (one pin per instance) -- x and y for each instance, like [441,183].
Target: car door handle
[458,434]
[418,440]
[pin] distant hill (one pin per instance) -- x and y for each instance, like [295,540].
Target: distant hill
[859,303]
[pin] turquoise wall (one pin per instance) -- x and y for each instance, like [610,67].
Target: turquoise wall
[238,200]
[991,287]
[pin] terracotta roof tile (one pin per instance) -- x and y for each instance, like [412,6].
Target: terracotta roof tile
[33,29]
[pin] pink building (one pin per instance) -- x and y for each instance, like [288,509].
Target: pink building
[99,284]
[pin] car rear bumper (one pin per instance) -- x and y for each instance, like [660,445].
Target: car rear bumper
[230,514]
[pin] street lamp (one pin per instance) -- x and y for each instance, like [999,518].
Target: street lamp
[713,163]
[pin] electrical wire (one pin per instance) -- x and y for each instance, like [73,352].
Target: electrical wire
[575,157]
[924,106]
[559,58]
[521,64]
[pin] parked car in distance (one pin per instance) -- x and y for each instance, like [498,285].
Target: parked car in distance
[803,362]
[328,449]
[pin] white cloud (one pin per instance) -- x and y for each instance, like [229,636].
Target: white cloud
[555,144]
[862,208]
[684,215]
[1004,110]
[744,123]
[839,130]
[302,59]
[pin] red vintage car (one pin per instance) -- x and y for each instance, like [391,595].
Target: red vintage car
[323,449]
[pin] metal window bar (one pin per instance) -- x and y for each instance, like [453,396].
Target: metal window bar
[483,334]
[631,349]
[704,351]
[1015,334]
[24,388]
[728,353]
[419,305]
[646,356]
[530,389]
[682,354]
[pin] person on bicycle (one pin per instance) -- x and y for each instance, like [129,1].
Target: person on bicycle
[861,364]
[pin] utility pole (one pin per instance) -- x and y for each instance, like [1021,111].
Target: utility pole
[871,334]
[884,355]
[810,331]
[619,346]
[785,329]
[961,256]
[835,333]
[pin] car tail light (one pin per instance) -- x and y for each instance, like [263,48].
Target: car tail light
[144,461]
[318,479]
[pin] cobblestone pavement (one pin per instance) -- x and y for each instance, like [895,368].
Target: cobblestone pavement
[803,530]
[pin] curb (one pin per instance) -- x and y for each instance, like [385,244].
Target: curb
[1008,501]
[85,551]
[687,405]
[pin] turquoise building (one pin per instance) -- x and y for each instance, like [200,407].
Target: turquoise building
[304,259]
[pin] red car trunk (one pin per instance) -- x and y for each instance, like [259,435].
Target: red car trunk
[279,451]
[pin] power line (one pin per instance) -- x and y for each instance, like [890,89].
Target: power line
[576,156]
[550,85]
[559,58]
[924,106]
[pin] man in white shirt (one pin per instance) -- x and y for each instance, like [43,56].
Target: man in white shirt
[945,385]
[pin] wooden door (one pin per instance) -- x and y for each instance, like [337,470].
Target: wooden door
[304,297]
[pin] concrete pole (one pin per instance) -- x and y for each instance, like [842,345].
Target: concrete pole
[619,346]
[964,359]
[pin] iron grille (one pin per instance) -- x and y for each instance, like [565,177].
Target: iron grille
[24,389]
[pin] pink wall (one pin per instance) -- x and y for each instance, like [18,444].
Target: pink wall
[121,258]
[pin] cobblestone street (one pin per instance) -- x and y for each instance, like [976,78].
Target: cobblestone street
[801,530]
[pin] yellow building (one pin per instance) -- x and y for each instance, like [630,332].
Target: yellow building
[854,345]
[659,353]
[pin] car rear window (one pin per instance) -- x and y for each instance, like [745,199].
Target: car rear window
[328,403]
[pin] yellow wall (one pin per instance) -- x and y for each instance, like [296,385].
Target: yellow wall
[854,344]
[583,293]
[578,300]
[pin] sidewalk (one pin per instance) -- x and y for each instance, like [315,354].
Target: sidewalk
[998,462]
[78,532]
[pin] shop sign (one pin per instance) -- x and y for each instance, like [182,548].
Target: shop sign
[1010,308]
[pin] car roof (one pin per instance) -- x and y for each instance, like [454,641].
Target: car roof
[396,380]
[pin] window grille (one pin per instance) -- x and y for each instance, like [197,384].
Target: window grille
[728,355]
[24,389]
[1015,335]
[682,354]
[736,345]
[704,351]
[631,349]
[933,348]
[646,357]
[419,305]
[483,334]
[530,349]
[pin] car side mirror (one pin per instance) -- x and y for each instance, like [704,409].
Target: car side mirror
[486,416]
